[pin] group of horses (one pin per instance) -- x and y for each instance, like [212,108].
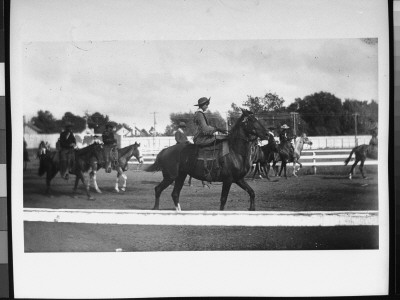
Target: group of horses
[180,160]
[88,160]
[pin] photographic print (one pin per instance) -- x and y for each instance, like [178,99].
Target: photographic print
[204,142]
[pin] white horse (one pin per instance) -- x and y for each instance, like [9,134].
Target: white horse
[298,148]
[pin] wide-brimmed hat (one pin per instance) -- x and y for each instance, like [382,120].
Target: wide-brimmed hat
[202,101]
[284,126]
[182,124]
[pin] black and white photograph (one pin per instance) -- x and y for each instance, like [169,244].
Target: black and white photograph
[209,148]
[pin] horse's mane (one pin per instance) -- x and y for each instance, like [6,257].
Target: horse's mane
[235,130]
[125,150]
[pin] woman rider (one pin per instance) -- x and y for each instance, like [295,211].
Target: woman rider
[205,133]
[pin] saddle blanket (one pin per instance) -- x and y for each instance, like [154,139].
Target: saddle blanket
[213,151]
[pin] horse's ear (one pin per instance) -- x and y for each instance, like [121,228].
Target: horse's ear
[244,111]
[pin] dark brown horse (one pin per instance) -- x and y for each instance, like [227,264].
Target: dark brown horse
[87,160]
[263,157]
[361,152]
[177,161]
[48,163]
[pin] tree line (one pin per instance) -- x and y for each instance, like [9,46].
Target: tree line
[316,114]
[47,123]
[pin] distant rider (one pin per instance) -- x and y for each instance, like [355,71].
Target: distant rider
[110,143]
[180,135]
[373,144]
[67,144]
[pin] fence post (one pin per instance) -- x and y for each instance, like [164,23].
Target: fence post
[314,165]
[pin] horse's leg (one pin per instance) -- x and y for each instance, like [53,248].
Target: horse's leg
[179,181]
[119,174]
[352,169]
[255,171]
[48,179]
[159,188]
[265,171]
[124,185]
[116,188]
[88,185]
[93,176]
[244,185]
[294,169]
[190,181]
[226,186]
[362,168]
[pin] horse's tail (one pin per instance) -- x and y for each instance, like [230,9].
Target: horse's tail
[351,154]
[155,167]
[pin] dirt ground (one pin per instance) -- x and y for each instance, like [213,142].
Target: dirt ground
[328,190]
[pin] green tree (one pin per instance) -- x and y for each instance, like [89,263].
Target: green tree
[97,121]
[46,122]
[79,123]
[320,111]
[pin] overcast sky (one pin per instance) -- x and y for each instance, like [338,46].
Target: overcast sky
[129,59]
[129,80]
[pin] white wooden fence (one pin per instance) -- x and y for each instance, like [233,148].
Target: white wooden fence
[160,142]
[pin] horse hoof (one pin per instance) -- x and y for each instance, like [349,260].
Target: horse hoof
[123,189]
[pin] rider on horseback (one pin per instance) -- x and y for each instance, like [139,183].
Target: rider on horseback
[180,135]
[110,143]
[205,134]
[373,143]
[67,144]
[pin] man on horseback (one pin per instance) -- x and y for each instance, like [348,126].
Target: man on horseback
[67,146]
[373,143]
[110,143]
[180,135]
[283,136]
[205,134]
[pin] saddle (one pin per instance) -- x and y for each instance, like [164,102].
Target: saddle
[211,156]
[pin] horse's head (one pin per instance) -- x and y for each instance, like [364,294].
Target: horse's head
[252,126]
[305,139]
[136,153]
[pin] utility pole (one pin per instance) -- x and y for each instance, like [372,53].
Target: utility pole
[355,128]
[154,128]
[294,118]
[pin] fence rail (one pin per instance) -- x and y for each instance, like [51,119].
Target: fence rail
[319,159]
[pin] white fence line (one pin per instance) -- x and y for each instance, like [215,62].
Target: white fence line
[160,142]
[317,160]
[203,218]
